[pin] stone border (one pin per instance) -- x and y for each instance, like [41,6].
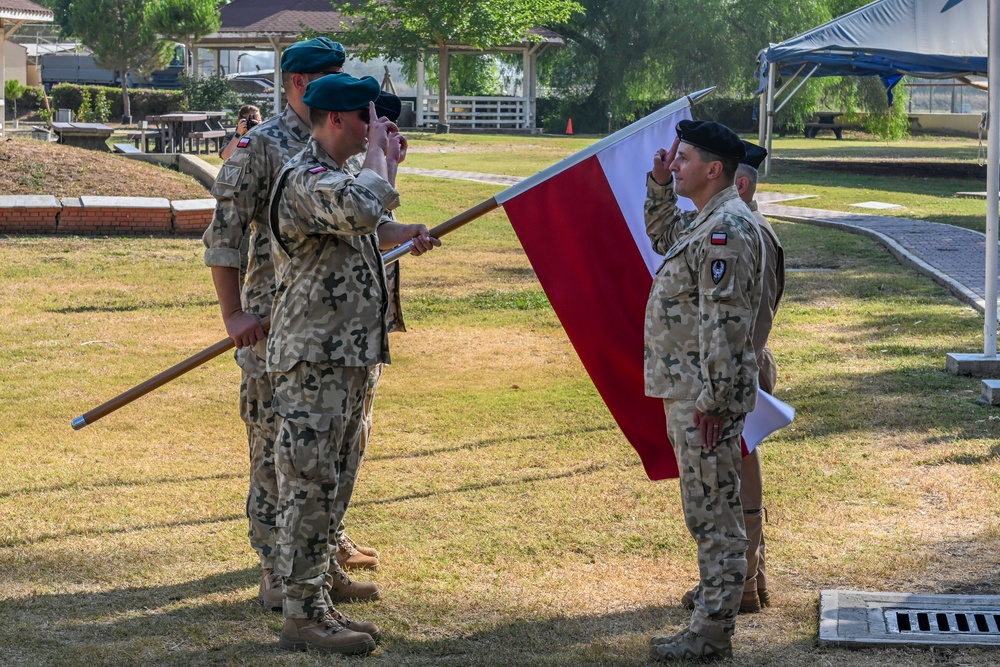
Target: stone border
[45,214]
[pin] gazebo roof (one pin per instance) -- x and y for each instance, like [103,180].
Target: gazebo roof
[24,10]
[248,24]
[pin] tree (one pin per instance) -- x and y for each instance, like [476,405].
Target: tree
[117,33]
[399,29]
[12,90]
[184,21]
[626,52]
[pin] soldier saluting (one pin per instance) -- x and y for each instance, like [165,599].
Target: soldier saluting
[328,331]
[699,359]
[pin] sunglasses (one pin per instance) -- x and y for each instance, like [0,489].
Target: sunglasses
[364,116]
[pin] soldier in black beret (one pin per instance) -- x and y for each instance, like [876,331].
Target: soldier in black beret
[699,359]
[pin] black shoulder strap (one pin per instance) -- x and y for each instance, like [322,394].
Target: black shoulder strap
[272,213]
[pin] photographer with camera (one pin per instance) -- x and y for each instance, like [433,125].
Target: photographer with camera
[249,116]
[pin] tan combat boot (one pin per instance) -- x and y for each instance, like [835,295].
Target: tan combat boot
[689,645]
[357,626]
[345,589]
[351,556]
[325,634]
[271,593]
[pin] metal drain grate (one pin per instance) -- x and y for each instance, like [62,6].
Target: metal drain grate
[922,621]
[853,618]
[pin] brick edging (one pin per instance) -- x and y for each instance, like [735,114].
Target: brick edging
[45,214]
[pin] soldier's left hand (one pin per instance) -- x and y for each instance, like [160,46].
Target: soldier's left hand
[710,427]
[397,148]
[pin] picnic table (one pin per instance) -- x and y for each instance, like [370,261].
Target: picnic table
[84,135]
[825,120]
[180,131]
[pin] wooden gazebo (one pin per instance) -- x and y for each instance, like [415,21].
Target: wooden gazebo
[275,24]
[14,14]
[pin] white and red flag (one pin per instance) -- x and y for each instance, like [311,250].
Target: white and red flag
[581,224]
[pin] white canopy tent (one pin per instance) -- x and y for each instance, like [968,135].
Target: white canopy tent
[14,14]
[892,38]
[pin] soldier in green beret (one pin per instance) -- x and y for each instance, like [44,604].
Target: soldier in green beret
[238,250]
[328,331]
[700,361]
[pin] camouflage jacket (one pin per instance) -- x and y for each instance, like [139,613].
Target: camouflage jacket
[239,231]
[701,308]
[331,297]
[239,236]
[773,284]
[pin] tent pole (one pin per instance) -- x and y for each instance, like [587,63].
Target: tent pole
[762,117]
[992,181]
[772,74]
[796,89]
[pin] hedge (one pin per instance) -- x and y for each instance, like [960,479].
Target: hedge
[145,101]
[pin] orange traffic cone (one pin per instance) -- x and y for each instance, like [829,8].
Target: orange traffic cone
[569,126]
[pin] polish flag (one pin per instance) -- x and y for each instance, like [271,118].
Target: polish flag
[581,225]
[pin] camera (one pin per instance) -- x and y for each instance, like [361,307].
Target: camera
[251,122]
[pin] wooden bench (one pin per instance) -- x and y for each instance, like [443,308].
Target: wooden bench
[151,139]
[812,129]
[84,135]
[209,136]
[128,149]
[825,120]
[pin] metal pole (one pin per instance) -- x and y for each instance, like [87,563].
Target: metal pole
[772,74]
[992,182]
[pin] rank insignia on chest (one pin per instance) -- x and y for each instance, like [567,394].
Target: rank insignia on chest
[718,268]
[244,142]
[317,170]
[719,238]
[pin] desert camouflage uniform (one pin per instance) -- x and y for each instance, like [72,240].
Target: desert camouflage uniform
[329,331]
[699,320]
[751,479]
[239,237]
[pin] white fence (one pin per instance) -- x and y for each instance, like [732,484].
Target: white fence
[492,113]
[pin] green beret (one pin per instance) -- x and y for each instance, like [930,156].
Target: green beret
[755,155]
[712,137]
[313,55]
[341,92]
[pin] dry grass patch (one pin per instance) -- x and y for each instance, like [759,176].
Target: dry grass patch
[30,167]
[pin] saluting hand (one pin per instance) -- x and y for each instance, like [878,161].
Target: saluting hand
[662,160]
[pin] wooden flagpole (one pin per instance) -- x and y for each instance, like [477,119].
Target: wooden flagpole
[226,344]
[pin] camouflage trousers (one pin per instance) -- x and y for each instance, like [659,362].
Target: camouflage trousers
[317,453]
[710,495]
[262,498]
[261,424]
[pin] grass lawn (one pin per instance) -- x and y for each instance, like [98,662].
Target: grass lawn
[516,524]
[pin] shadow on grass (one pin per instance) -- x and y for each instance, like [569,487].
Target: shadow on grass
[130,307]
[480,486]
[487,442]
[116,483]
[120,530]
[171,625]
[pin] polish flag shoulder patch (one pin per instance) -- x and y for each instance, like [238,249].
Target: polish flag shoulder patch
[244,142]
[317,170]
[719,238]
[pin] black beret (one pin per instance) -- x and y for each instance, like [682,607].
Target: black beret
[755,155]
[341,92]
[388,105]
[313,55]
[711,136]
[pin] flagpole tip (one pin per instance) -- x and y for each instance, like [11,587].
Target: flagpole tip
[79,423]
[694,98]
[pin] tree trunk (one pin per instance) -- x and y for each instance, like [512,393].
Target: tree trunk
[126,102]
[443,75]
